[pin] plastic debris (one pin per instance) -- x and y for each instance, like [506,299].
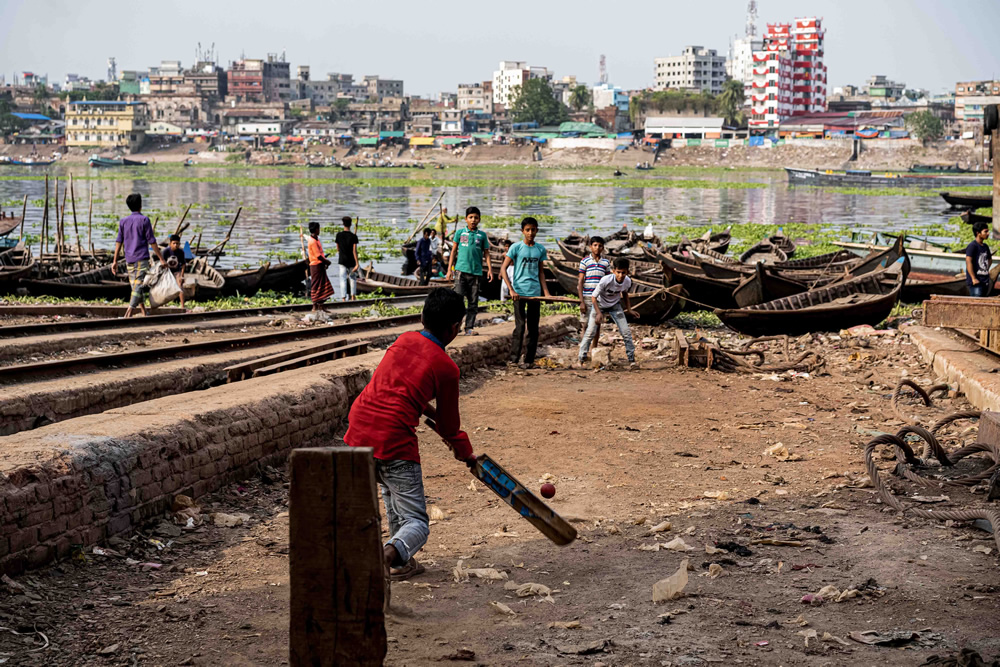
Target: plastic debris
[660,528]
[827,637]
[584,649]
[672,587]
[780,452]
[564,625]
[717,495]
[983,549]
[501,608]
[527,590]
[488,573]
[229,520]
[677,544]
[808,634]
[436,513]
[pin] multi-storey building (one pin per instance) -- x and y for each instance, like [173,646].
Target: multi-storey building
[789,77]
[511,76]
[476,97]
[880,86]
[256,80]
[964,88]
[697,68]
[605,95]
[739,66]
[107,124]
[208,80]
[379,89]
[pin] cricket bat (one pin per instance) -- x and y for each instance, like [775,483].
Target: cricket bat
[524,502]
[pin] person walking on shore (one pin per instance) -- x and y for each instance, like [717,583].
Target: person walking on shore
[978,260]
[527,258]
[465,263]
[320,288]
[135,235]
[347,260]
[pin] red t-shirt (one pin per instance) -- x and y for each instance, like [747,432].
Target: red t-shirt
[414,371]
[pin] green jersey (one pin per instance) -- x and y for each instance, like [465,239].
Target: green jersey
[470,246]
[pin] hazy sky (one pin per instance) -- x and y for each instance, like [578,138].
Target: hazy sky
[435,45]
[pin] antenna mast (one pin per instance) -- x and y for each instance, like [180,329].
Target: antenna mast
[752,18]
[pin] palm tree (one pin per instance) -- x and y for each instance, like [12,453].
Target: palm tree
[731,102]
[579,97]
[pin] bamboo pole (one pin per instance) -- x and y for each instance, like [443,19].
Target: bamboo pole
[177,230]
[426,215]
[42,243]
[197,247]
[90,217]
[219,247]
[24,211]
[76,226]
[59,227]
[305,253]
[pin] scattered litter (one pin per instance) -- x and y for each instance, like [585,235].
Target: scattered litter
[827,637]
[778,543]
[677,544]
[501,608]
[564,625]
[983,549]
[490,574]
[649,547]
[717,495]
[780,452]
[714,571]
[672,587]
[659,528]
[808,634]
[891,639]
[472,485]
[735,548]
[929,500]
[763,643]
[800,621]
[527,590]
[462,654]
[229,520]
[436,513]
[709,549]
[108,650]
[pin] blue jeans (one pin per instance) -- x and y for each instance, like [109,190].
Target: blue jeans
[982,289]
[617,314]
[402,484]
[346,279]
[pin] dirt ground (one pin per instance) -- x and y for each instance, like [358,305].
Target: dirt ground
[628,450]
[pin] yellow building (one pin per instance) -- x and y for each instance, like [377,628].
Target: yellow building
[111,125]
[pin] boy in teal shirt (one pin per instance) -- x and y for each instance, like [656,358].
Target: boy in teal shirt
[529,280]
[466,260]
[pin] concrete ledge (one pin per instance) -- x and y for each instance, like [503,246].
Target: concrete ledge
[962,363]
[86,479]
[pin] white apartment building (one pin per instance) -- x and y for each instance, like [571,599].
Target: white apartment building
[739,66]
[512,74]
[476,97]
[697,68]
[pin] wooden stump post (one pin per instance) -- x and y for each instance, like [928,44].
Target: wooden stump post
[335,559]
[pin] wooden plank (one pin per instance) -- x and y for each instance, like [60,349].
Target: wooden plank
[962,313]
[682,348]
[351,350]
[335,562]
[245,370]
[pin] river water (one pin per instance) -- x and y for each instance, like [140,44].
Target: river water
[276,201]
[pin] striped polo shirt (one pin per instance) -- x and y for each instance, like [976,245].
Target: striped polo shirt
[593,271]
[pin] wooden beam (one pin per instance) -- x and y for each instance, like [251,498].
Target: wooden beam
[335,559]
[995,153]
[245,370]
[682,348]
[962,312]
[351,350]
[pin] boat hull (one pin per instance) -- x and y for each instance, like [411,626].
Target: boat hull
[882,179]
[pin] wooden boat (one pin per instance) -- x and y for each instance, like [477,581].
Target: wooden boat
[243,282]
[31,162]
[7,225]
[706,291]
[970,217]
[885,179]
[372,280]
[868,299]
[201,281]
[15,263]
[94,285]
[765,284]
[937,169]
[709,242]
[98,161]
[783,243]
[924,260]
[829,260]
[653,303]
[288,277]
[967,200]
[764,252]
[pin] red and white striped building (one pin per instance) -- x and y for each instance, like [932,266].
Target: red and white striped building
[789,77]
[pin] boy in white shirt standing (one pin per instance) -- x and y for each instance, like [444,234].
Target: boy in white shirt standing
[607,300]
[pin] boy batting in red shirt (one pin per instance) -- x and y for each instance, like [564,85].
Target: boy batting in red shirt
[416,369]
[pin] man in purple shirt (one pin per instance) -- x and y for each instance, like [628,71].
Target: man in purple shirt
[135,233]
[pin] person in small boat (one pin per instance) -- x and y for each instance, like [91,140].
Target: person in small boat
[978,260]
[176,262]
[135,237]
[320,288]
[425,258]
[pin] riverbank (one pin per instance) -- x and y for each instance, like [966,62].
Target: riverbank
[885,154]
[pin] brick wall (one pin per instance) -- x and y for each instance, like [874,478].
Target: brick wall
[86,479]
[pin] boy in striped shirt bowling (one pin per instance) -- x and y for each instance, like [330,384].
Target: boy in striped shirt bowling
[593,267]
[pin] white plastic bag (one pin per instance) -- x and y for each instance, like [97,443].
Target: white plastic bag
[163,287]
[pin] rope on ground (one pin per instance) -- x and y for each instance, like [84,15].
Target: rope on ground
[924,394]
[921,472]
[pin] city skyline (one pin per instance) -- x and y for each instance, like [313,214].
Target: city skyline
[922,43]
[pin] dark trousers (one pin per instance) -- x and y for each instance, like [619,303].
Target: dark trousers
[525,312]
[467,285]
[424,273]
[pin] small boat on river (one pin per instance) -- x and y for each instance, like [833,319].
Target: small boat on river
[883,179]
[967,200]
[289,277]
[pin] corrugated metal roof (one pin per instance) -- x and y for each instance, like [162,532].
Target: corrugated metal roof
[30,116]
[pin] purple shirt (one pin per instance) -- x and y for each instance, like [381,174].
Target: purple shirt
[135,233]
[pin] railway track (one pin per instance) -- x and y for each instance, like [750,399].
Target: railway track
[61,367]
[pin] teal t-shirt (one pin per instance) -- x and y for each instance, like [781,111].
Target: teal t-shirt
[471,246]
[526,259]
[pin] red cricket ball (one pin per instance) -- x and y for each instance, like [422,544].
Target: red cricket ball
[548,490]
